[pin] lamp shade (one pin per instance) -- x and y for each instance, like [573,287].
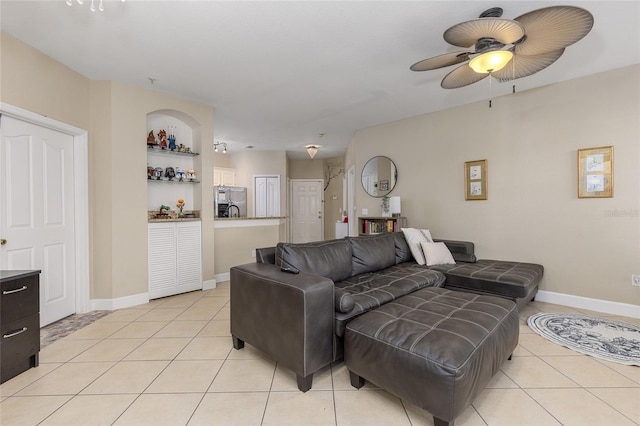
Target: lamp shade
[490,61]
[394,205]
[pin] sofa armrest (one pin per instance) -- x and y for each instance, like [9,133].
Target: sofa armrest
[462,251]
[288,316]
[266,255]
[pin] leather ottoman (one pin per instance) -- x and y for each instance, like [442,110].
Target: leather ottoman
[435,348]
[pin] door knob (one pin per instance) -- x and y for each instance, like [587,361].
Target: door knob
[3,242]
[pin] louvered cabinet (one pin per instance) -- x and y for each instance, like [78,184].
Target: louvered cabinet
[175,264]
[19,322]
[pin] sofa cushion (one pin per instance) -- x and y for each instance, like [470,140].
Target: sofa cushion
[414,238]
[374,289]
[436,254]
[330,259]
[499,277]
[372,253]
[403,252]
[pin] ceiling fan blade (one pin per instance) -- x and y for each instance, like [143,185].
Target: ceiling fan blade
[460,77]
[466,34]
[441,61]
[553,28]
[525,65]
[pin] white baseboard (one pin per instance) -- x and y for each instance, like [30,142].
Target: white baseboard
[209,284]
[606,306]
[226,276]
[119,303]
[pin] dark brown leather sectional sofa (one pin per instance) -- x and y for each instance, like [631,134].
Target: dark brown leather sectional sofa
[296,301]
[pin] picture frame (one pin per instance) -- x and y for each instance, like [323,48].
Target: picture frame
[475,180]
[595,172]
[384,185]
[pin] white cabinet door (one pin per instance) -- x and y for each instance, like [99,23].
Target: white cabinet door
[267,196]
[228,177]
[162,259]
[189,271]
[224,176]
[174,258]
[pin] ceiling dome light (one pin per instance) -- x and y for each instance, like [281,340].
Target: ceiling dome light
[312,150]
[490,61]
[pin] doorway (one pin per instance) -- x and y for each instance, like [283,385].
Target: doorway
[44,214]
[307,210]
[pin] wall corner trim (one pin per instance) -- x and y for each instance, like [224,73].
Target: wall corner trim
[209,284]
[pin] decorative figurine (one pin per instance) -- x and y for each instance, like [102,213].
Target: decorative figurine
[157,172]
[150,171]
[151,140]
[162,135]
[170,173]
[180,173]
[191,175]
[172,138]
[180,206]
[182,148]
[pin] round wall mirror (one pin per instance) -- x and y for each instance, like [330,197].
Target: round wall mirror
[379,176]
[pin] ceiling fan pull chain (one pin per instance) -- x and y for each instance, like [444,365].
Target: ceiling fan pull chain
[489,89]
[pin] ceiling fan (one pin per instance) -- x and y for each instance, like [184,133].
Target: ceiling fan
[508,49]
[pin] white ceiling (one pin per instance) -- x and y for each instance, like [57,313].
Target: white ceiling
[279,73]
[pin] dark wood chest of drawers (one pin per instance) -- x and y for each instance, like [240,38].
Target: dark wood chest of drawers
[19,322]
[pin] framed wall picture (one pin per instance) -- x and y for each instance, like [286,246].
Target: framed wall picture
[384,185]
[595,172]
[475,180]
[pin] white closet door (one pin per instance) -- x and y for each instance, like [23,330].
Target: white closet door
[260,203]
[266,196]
[38,211]
[273,196]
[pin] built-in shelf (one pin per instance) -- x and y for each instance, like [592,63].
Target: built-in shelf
[380,225]
[169,152]
[172,181]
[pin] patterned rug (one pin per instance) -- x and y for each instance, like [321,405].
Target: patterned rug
[59,329]
[599,337]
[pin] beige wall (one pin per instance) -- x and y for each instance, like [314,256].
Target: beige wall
[37,83]
[589,247]
[115,117]
[234,245]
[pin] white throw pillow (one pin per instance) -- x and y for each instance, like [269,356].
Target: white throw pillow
[437,254]
[414,237]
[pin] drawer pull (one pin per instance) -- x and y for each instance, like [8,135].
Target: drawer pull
[15,333]
[24,287]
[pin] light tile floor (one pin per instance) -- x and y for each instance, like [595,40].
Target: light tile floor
[171,362]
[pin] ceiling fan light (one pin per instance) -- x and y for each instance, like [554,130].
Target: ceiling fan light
[490,61]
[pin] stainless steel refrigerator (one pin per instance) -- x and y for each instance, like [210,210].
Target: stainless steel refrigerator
[230,201]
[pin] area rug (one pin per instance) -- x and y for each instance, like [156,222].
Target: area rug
[599,337]
[66,326]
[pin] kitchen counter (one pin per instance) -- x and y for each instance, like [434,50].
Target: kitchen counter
[237,222]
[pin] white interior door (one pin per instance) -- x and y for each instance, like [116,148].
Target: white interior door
[37,218]
[307,211]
